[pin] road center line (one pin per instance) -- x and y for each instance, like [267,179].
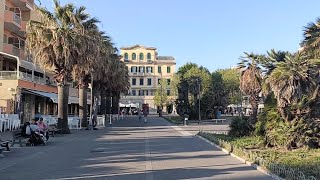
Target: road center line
[149,173]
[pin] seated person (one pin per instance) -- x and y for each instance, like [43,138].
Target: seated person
[33,127]
[43,127]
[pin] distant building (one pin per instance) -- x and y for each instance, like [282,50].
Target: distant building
[146,68]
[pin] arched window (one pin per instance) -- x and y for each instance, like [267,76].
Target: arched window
[126,56]
[134,56]
[141,56]
[149,56]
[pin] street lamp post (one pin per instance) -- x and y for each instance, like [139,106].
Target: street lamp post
[91,105]
[199,101]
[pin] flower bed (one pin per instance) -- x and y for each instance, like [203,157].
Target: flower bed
[297,164]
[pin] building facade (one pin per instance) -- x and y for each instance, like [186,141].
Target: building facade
[25,89]
[146,68]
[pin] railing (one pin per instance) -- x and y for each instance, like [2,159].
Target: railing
[39,79]
[25,76]
[8,74]
[277,169]
[17,19]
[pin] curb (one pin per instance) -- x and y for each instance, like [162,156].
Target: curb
[255,166]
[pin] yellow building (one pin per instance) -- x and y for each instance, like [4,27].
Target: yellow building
[25,89]
[146,68]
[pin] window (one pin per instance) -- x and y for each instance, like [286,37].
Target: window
[141,69]
[5,38]
[168,69]
[159,81]
[159,69]
[141,56]
[133,69]
[168,82]
[141,81]
[134,81]
[149,69]
[140,92]
[134,56]
[133,92]
[126,56]
[146,92]
[149,81]
[149,56]
[168,92]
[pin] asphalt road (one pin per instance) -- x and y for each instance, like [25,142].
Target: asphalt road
[129,150]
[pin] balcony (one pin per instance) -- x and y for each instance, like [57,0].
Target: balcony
[13,50]
[12,21]
[22,31]
[8,75]
[24,5]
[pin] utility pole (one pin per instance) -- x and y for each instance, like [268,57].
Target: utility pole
[199,83]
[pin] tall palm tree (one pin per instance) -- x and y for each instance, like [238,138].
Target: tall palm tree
[52,43]
[88,57]
[290,81]
[251,80]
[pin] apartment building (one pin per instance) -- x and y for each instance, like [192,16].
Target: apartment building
[25,89]
[146,68]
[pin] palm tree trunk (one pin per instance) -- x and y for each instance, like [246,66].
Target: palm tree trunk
[63,95]
[254,106]
[83,110]
[108,102]
[115,103]
[103,106]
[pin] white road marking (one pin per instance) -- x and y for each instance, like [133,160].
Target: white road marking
[181,131]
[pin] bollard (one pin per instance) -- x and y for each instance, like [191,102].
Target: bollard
[110,119]
[185,121]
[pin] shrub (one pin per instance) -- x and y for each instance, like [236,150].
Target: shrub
[240,127]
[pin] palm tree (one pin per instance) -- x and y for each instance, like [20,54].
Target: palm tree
[290,81]
[52,43]
[311,42]
[88,57]
[251,80]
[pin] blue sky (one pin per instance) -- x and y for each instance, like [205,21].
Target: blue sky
[210,33]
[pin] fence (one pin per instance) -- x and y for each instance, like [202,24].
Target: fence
[277,169]
[73,122]
[9,122]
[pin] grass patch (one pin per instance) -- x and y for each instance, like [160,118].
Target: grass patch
[174,119]
[304,160]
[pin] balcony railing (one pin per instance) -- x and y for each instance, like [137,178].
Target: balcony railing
[25,76]
[11,75]
[8,74]
[17,19]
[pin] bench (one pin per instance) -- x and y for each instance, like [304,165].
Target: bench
[16,136]
[5,144]
[52,130]
[221,120]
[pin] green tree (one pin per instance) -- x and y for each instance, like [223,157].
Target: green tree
[161,97]
[185,68]
[231,83]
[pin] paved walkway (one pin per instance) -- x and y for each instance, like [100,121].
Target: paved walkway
[129,150]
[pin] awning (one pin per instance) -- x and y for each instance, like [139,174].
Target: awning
[128,105]
[54,97]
